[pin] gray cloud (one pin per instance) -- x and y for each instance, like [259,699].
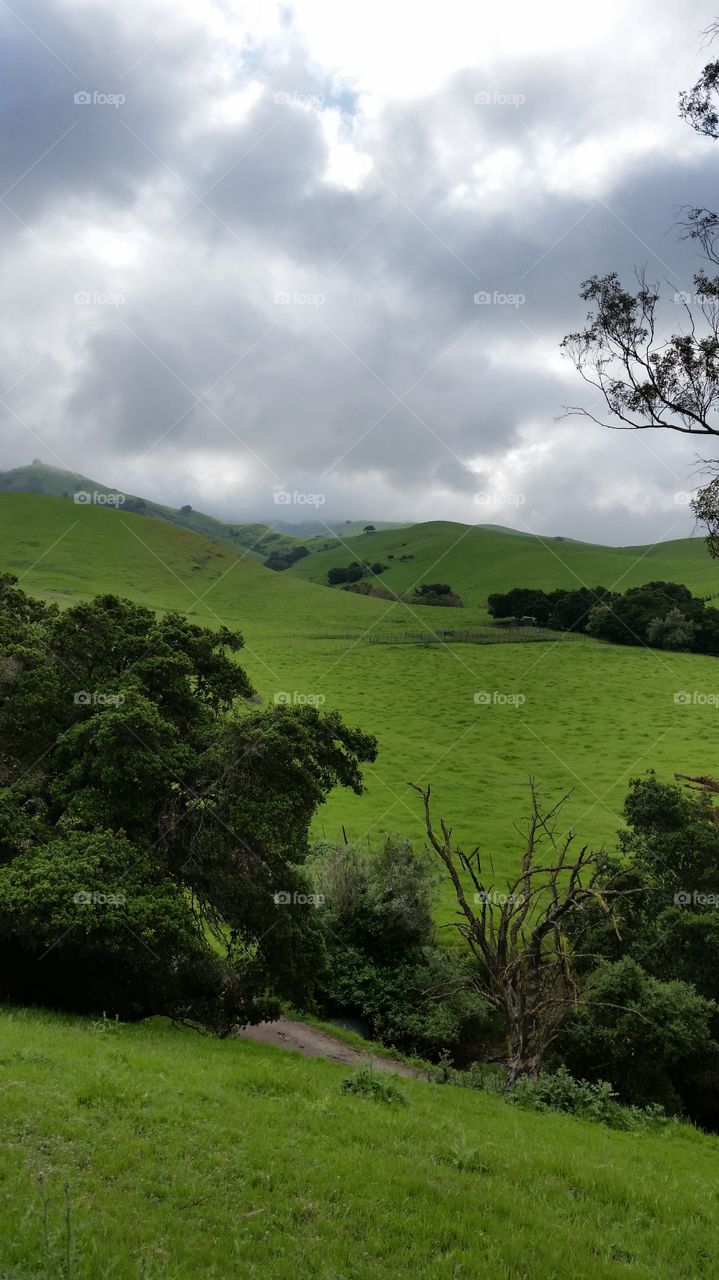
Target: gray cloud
[274,326]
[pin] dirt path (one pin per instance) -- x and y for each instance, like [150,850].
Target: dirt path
[285,1033]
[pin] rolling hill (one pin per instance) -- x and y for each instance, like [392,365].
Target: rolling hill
[477,560]
[255,539]
[580,716]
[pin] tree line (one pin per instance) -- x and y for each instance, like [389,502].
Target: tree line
[663,615]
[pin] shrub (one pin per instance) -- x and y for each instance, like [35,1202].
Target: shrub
[365,1082]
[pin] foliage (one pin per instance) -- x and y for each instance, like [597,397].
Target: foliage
[380,1086]
[384,966]
[645,1035]
[661,614]
[131,777]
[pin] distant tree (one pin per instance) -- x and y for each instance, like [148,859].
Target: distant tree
[186,510]
[673,631]
[369,528]
[438,594]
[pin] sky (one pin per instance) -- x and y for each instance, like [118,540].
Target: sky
[315,260]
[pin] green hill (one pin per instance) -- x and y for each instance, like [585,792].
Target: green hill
[255,538]
[149,1151]
[477,560]
[585,718]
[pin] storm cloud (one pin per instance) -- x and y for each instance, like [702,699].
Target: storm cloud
[241,250]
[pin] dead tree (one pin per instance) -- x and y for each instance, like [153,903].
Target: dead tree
[518,936]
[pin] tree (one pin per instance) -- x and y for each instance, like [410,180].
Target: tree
[517,937]
[648,381]
[644,1035]
[384,965]
[186,510]
[149,816]
[673,631]
[369,528]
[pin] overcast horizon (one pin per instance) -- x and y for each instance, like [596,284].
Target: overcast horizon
[289,262]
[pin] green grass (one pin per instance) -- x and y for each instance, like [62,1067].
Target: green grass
[593,715]
[477,560]
[187,1157]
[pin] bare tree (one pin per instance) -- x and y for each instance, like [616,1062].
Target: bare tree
[518,936]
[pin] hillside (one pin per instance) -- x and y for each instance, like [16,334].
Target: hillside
[592,715]
[478,560]
[174,1156]
[255,539]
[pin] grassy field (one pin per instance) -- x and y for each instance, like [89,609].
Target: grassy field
[476,561]
[577,714]
[180,1157]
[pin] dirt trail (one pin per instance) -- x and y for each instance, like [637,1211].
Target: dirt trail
[285,1033]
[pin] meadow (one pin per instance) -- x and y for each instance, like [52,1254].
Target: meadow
[145,1151]
[580,716]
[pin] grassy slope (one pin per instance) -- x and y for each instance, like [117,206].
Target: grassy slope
[476,561]
[594,714]
[256,539]
[187,1157]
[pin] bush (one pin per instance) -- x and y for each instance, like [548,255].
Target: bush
[646,1035]
[365,1082]
[383,965]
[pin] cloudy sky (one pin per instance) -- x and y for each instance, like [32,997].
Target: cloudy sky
[241,246]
